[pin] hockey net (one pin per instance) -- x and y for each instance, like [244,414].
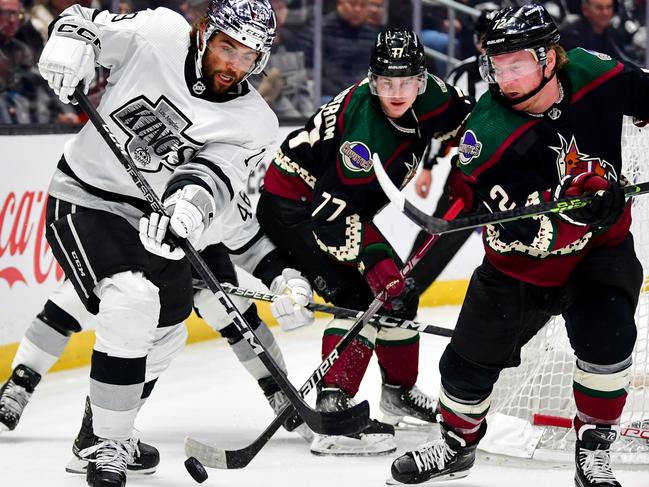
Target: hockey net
[532,405]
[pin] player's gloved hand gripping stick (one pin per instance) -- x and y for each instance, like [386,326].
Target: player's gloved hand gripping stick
[439,226]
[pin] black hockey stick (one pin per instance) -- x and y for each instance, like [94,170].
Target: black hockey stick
[215,457]
[438,226]
[382,320]
[348,421]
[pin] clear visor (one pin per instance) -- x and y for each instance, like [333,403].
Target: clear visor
[503,68]
[397,86]
[240,58]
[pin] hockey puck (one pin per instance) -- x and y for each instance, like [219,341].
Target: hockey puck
[196,470]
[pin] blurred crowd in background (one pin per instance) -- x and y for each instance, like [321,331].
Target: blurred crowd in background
[305,69]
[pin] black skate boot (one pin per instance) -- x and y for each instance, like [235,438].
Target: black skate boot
[15,394]
[592,456]
[107,460]
[376,439]
[444,459]
[145,458]
[277,400]
[399,404]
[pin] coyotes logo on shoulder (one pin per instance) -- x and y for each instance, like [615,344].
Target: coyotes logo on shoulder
[156,133]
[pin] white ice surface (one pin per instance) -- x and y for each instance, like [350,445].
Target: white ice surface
[206,393]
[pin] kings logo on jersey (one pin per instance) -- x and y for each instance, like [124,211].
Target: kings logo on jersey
[155,131]
[571,160]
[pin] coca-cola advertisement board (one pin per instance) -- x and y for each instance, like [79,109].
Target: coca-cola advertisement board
[28,270]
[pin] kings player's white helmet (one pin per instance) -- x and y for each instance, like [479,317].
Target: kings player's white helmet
[251,22]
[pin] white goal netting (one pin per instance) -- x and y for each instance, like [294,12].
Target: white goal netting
[542,384]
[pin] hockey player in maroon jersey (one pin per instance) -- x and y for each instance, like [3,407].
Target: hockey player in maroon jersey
[549,127]
[320,196]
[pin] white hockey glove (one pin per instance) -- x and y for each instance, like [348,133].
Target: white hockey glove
[69,56]
[153,230]
[294,294]
[191,210]
[186,207]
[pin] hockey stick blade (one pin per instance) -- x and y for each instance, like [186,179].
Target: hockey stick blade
[383,320]
[438,226]
[215,457]
[347,421]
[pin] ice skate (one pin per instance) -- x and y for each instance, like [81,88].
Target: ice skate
[376,439]
[145,457]
[278,400]
[406,408]
[592,457]
[15,394]
[445,459]
[107,461]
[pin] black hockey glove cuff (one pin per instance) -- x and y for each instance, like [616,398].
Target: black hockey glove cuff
[604,209]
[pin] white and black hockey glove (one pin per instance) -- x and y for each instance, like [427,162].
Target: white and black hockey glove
[153,230]
[69,56]
[191,210]
[294,294]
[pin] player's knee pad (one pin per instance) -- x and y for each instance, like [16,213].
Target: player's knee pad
[212,311]
[64,311]
[602,331]
[465,379]
[168,342]
[340,326]
[129,310]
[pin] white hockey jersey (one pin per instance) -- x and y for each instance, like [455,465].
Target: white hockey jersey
[168,123]
[239,231]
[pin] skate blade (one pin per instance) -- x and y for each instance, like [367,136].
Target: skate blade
[441,478]
[78,467]
[342,446]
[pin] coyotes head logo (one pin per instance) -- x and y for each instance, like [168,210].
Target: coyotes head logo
[571,160]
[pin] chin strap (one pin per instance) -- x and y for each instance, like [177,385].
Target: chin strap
[495,90]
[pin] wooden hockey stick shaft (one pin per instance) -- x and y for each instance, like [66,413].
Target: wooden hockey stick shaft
[351,420]
[215,457]
[382,320]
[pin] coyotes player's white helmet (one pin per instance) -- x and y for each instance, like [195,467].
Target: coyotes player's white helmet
[251,22]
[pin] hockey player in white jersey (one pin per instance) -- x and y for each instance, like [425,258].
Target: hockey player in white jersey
[177,99]
[237,236]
